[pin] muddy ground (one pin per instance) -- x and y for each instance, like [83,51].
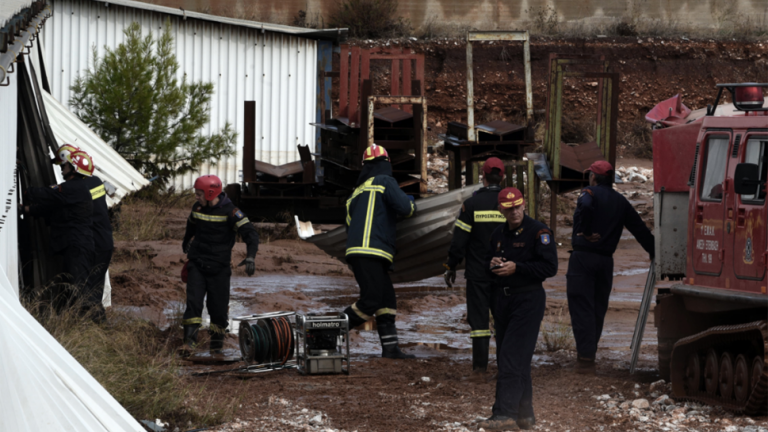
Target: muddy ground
[430,393]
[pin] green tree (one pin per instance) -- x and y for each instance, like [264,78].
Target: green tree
[133,100]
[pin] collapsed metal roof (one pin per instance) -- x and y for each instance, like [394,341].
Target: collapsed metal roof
[423,240]
[110,166]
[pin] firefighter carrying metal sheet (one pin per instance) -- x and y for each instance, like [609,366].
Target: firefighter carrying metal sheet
[69,208]
[478,218]
[102,237]
[521,255]
[600,217]
[211,230]
[372,212]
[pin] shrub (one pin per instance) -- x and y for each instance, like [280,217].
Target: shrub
[556,331]
[637,141]
[370,19]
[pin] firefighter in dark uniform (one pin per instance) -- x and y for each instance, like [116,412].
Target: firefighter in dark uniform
[372,213]
[478,218]
[211,230]
[102,237]
[521,256]
[600,217]
[69,208]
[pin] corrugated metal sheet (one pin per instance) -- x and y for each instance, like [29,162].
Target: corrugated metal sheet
[9,8]
[110,166]
[422,242]
[277,70]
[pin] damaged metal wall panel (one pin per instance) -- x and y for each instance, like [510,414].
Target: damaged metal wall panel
[277,70]
[422,242]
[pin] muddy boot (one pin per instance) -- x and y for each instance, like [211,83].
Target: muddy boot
[389,345]
[584,366]
[499,423]
[480,360]
[217,341]
[190,340]
[526,423]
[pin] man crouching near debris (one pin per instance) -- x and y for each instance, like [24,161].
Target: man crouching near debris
[372,212]
[208,241]
[521,256]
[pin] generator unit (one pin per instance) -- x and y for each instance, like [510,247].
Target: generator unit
[322,344]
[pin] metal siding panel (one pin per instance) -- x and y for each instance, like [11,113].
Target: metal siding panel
[253,66]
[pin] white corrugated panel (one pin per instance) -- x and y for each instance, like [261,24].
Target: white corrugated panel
[110,166]
[278,71]
[44,387]
[9,8]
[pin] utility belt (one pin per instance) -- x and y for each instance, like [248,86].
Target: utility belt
[584,249]
[513,290]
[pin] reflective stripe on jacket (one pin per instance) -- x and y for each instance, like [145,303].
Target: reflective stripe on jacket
[372,212]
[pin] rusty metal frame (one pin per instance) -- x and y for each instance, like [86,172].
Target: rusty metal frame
[501,35]
[355,68]
[419,101]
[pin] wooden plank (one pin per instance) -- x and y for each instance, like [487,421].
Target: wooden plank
[344,81]
[354,87]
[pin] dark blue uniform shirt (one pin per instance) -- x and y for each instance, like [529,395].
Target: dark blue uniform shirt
[531,247]
[602,210]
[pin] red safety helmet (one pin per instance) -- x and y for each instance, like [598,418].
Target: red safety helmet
[81,162]
[210,184]
[62,152]
[373,152]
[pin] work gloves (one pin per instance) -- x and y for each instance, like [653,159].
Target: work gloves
[450,276]
[250,266]
[185,246]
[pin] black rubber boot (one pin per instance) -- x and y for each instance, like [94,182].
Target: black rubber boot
[217,341]
[480,348]
[190,340]
[389,344]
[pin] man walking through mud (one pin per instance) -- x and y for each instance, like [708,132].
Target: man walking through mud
[211,229]
[478,218]
[372,213]
[520,256]
[600,217]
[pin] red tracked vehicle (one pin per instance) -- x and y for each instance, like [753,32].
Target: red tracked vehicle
[710,226]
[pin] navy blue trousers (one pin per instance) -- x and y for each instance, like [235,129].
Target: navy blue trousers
[479,294]
[589,283]
[517,320]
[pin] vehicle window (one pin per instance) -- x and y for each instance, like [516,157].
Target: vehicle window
[714,171]
[755,153]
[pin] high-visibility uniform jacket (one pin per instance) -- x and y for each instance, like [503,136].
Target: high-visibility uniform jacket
[69,207]
[214,230]
[372,213]
[478,218]
[102,226]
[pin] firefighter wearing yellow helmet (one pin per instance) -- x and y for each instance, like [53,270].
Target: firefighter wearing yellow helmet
[69,208]
[372,212]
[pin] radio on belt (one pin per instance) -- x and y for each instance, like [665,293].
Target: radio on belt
[322,344]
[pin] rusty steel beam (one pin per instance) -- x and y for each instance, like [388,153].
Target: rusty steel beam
[249,142]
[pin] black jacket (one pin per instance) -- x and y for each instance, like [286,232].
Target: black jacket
[214,230]
[478,218]
[102,226]
[69,208]
[531,247]
[602,210]
[372,212]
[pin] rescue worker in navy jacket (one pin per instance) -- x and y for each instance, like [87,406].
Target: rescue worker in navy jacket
[478,218]
[208,241]
[600,217]
[69,208]
[521,256]
[372,213]
[102,237]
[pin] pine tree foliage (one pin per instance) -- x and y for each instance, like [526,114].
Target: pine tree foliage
[132,99]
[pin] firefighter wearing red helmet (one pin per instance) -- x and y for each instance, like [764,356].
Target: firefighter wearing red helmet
[372,212]
[211,230]
[68,207]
